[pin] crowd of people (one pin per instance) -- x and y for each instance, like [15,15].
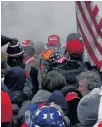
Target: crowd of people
[52,87]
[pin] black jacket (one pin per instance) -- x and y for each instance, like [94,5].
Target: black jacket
[4,40]
[70,70]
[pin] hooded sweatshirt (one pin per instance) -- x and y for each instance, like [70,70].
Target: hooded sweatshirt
[41,96]
[99,113]
[69,73]
[88,108]
[15,79]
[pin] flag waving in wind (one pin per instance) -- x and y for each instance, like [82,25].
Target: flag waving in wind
[89,23]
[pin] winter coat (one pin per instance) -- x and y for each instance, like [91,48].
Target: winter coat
[89,108]
[21,115]
[40,97]
[70,70]
[18,99]
[4,40]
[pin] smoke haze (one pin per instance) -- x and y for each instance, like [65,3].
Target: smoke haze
[37,20]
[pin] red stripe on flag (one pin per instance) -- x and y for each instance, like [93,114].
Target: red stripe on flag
[89,2]
[95,11]
[88,46]
[98,46]
[98,29]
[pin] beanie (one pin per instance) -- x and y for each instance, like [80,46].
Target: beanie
[15,78]
[14,50]
[6,107]
[46,116]
[75,47]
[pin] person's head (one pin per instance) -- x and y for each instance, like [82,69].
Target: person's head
[15,78]
[61,102]
[88,80]
[28,47]
[53,81]
[72,36]
[72,97]
[6,110]
[47,116]
[53,42]
[75,49]
[15,55]
[39,47]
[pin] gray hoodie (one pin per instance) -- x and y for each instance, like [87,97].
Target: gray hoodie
[41,96]
[88,108]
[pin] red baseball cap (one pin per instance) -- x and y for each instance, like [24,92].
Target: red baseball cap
[26,43]
[70,96]
[75,46]
[53,40]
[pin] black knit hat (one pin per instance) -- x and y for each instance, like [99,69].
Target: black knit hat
[14,50]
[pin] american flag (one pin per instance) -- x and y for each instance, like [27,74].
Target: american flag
[89,22]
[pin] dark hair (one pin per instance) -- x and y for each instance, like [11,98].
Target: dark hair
[53,81]
[18,97]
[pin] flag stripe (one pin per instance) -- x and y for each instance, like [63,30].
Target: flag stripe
[95,10]
[98,18]
[89,28]
[88,46]
[86,54]
[92,5]
[88,35]
[91,23]
[93,19]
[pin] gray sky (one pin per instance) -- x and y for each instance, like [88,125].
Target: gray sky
[37,20]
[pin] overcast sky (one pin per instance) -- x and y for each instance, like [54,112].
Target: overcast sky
[37,20]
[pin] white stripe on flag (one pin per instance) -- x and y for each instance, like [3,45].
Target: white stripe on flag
[86,54]
[98,17]
[92,5]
